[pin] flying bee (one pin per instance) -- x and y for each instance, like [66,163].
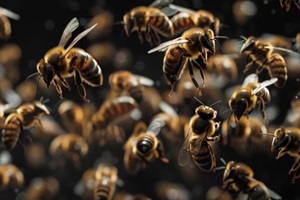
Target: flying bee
[202,128]
[192,47]
[238,178]
[123,81]
[5,26]
[42,188]
[143,146]
[23,118]
[148,22]
[286,4]
[60,63]
[249,95]
[286,141]
[11,177]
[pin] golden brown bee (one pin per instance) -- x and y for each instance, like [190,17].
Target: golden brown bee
[23,118]
[106,177]
[104,123]
[238,179]
[123,81]
[148,21]
[5,26]
[249,95]
[42,188]
[286,141]
[286,4]
[60,63]
[202,127]
[10,177]
[192,47]
[143,146]
[261,52]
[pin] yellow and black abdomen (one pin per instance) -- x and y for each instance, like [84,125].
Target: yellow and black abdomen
[182,22]
[160,22]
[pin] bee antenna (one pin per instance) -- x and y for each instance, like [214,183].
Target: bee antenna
[118,23]
[222,113]
[223,161]
[281,49]
[243,37]
[215,103]
[37,84]
[31,75]
[199,100]
[268,134]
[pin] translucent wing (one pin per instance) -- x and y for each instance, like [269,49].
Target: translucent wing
[251,78]
[145,80]
[273,195]
[182,9]
[156,125]
[8,13]
[184,153]
[160,3]
[264,84]
[166,108]
[67,34]
[164,46]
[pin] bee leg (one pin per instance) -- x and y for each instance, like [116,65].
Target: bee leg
[63,81]
[193,77]
[297,4]
[58,88]
[156,38]
[140,36]
[262,110]
[198,66]
[281,153]
[80,87]
[148,36]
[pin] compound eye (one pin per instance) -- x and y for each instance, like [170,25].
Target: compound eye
[145,146]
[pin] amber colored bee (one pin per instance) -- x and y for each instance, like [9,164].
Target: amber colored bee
[249,95]
[11,177]
[192,47]
[143,146]
[60,63]
[42,188]
[286,4]
[127,83]
[148,22]
[286,141]
[23,118]
[238,179]
[106,177]
[202,128]
[261,52]
[5,26]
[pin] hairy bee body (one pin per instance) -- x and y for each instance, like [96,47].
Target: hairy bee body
[11,176]
[277,68]
[11,131]
[204,158]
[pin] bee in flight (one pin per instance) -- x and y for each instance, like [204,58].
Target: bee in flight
[60,63]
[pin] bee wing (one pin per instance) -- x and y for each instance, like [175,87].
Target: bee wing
[67,34]
[155,126]
[264,84]
[273,195]
[184,157]
[160,3]
[166,108]
[164,46]
[251,78]
[145,80]
[182,9]
[9,13]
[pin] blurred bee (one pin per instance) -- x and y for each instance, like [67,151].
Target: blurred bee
[296,46]
[202,128]
[293,116]
[23,118]
[5,26]
[261,52]
[104,123]
[123,81]
[192,47]
[171,191]
[42,188]
[238,180]
[11,177]
[148,22]
[286,4]
[249,95]
[127,196]
[143,146]
[286,141]
[217,193]
[60,63]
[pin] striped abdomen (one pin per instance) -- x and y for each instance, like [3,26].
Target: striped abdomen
[5,27]
[182,22]
[11,131]
[205,158]
[277,68]
[103,191]
[87,66]
[160,22]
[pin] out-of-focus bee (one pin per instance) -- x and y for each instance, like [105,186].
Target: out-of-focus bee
[238,179]
[69,146]
[148,22]
[296,46]
[192,47]
[249,95]
[293,115]
[5,26]
[241,15]
[286,4]
[104,123]
[127,196]
[143,146]
[23,118]
[217,193]
[42,188]
[171,191]
[123,81]
[286,141]
[60,63]
[202,128]
[261,52]
[10,177]
[106,177]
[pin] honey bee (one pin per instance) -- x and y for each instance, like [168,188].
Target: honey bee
[11,177]
[286,4]
[285,141]
[123,81]
[192,47]
[5,26]
[42,188]
[23,118]
[249,95]
[60,63]
[261,52]
[202,128]
[238,179]
[143,146]
[148,22]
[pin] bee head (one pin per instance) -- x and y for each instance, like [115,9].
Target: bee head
[236,170]
[248,45]
[128,23]
[281,139]
[46,71]
[207,39]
